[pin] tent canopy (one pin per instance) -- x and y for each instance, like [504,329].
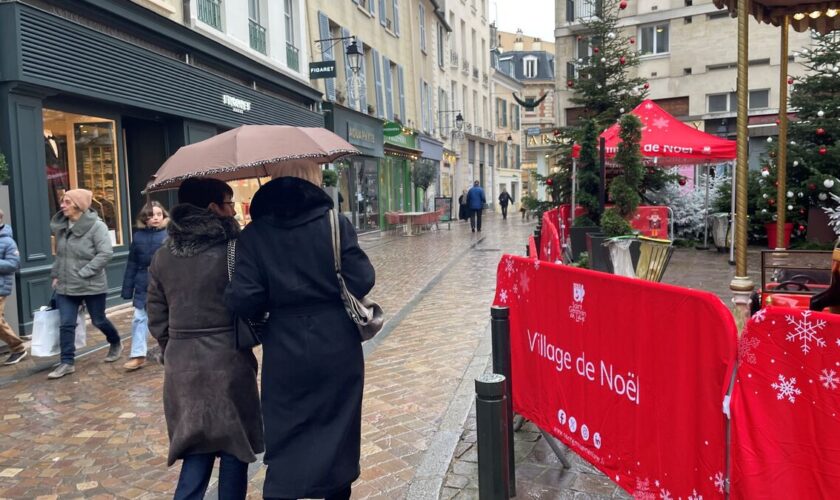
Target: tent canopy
[804,14]
[669,140]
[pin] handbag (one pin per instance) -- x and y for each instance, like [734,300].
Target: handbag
[366,313]
[46,335]
[247,333]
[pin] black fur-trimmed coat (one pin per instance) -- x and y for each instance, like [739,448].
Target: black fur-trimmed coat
[210,395]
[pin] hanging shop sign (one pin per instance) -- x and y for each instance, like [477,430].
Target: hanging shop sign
[321,69]
[391,129]
[403,140]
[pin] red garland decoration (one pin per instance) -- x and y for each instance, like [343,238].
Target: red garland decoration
[646,85]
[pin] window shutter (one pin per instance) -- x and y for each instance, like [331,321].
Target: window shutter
[401,88]
[422,16]
[362,79]
[324,28]
[377,78]
[389,91]
[356,2]
[570,11]
[371,8]
[431,104]
[423,118]
[396,4]
[518,111]
[348,91]
[383,14]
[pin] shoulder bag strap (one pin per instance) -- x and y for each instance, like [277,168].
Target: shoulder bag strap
[335,231]
[231,258]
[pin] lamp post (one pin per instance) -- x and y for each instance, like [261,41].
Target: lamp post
[354,56]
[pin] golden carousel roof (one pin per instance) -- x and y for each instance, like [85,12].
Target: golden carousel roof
[804,14]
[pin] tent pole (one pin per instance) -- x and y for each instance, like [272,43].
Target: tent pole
[732,219]
[705,245]
[781,157]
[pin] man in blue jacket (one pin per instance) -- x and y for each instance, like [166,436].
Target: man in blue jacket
[475,203]
[9,264]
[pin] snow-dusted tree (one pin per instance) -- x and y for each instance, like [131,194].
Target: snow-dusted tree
[688,205]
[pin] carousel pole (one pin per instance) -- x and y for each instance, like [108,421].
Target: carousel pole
[781,157]
[741,285]
[574,199]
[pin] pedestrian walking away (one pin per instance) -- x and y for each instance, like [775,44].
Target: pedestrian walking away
[151,231]
[475,204]
[210,396]
[504,199]
[463,211]
[9,264]
[83,249]
[312,353]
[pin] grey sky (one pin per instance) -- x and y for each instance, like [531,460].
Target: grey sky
[533,17]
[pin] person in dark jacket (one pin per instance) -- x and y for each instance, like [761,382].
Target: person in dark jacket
[9,264]
[210,395]
[463,211]
[475,204]
[83,250]
[312,353]
[151,231]
[504,199]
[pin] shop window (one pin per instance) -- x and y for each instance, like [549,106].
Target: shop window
[81,152]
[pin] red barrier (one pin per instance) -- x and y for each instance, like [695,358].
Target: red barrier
[786,407]
[651,221]
[630,374]
[550,250]
[532,248]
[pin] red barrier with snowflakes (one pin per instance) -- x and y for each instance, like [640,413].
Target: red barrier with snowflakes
[786,406]
[550,250]
[630,374]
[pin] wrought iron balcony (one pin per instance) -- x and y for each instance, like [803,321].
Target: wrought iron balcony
[292,57]
[484,79]
[256,33]
[210,12]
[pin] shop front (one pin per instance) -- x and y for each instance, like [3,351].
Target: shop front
[358,179]
[395,186]
[67,121]
[432,155]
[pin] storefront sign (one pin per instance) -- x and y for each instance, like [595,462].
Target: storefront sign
[390,129]
[361,135]
[403,140]
[629,374]
[321,69]
[532,131]
[236,104]
[540,139]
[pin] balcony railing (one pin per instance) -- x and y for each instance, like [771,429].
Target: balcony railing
[292,57]
[210,12]
[453,59]
[256,35]
[465,67]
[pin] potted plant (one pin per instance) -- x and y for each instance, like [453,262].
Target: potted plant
[423,174]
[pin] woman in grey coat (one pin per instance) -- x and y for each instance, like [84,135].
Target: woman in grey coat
[83,249]
[210,395]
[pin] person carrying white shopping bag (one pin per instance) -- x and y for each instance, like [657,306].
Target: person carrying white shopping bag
[45,331]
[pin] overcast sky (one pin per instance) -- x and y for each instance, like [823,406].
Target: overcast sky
[533,17]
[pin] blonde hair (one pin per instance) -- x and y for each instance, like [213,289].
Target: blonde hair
[302,169]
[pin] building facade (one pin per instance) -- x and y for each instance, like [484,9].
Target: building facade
[531,61]
[689,57]
[507,121]
[107,123]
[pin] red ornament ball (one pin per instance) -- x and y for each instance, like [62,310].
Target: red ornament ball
[801,227]
[812,187]
[776,183]
[622,5]
[646,85]
[771,201]
[820,131]
[682,181]
[549,182]
[556,132]
[790,80]
[801,211]
[622,60]
[823,150]
[632,39]
[570,84]
[595,50]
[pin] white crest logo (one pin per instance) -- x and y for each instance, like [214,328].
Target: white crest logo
[579,292]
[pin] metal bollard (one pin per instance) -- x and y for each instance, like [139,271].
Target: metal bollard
[537,233]
[493,478]
[500,332]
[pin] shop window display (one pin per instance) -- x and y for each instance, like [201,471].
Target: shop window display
[358,192]
[81,152]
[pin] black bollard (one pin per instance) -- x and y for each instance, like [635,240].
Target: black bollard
[500,332]
[537,233]
[493,479]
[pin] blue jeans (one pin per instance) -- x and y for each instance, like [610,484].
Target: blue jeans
[139,332]
[68,311]
[195,476]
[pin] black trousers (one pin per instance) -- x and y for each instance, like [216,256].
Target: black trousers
[504,210]
[475,214]
[339,495]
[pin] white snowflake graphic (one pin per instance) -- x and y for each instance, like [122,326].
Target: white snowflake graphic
[760,316]
[786,389]
[661,123]
[720,481]
[745,346]
[665,494]
[537,264]
[805,330]
[516,289]
[643,490]
[503,296]
[829,379]
[525,281]
[838,342]
[509,266]
[694,496]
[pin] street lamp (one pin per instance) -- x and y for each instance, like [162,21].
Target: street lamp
[459,121]
[354,56]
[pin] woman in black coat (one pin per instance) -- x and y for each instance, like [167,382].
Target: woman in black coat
[463,213]
[313,368]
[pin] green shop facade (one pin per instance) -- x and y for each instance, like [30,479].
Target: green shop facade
[97,94]
[398,192]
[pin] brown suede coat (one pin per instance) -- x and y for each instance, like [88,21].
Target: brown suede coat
[210,395]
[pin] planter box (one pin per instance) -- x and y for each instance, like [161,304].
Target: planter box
[577,235]
[599,255]
[770,227]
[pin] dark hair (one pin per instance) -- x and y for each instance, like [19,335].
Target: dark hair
[148,211]
[202,191]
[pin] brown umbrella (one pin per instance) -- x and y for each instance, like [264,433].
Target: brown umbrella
[245,152]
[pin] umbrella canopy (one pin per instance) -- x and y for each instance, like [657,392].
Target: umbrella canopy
[245,152]
[804,14]
[669,140]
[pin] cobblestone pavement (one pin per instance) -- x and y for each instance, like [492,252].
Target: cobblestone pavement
[99,433]
[539,472]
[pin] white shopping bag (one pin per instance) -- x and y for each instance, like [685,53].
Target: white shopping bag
[45,333]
